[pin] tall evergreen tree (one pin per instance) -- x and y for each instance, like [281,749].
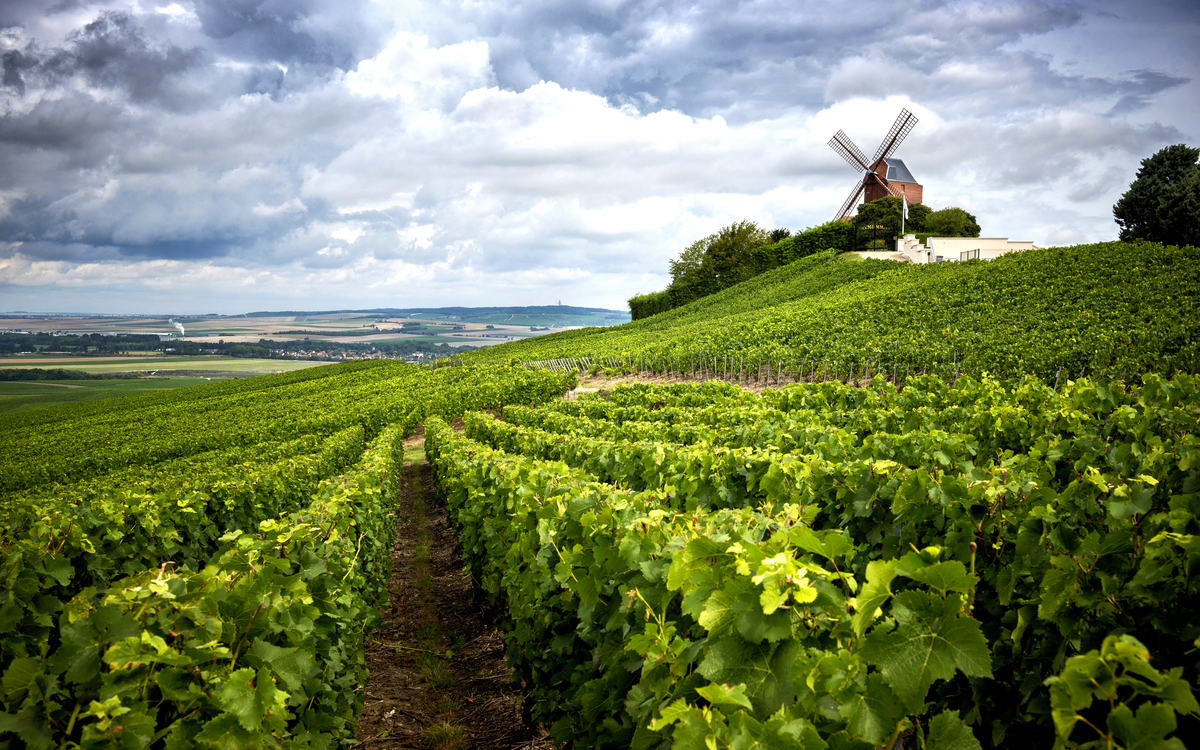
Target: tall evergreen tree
[1163,202]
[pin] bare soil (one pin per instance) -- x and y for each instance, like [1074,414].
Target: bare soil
[438,674]
[590,383]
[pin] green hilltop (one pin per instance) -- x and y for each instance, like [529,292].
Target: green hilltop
[1061,311]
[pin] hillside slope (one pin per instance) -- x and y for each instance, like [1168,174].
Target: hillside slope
[1109,306]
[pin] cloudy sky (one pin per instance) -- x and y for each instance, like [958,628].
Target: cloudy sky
[190,156]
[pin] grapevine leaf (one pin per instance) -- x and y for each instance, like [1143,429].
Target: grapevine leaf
[773,484]
[871,713]
[772,598]
[830,545]
[765,669]
[225,732]
[178,684]
[751,621]
[291,665]
[695,555]
[697,730]
[250,702]
[874,593]
[724,695]
[1058,587]
[20,674]
[777,733]
[59,568]
[948,732]
[929,643]
[718,615]
[1145,730]
[912,491]
[26,724]
[1137,499]
[945,577]
[10,615]
[670,715]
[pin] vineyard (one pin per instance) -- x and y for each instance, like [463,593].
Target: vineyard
[1113,309]
[831,566]
[963,515]
[200,567]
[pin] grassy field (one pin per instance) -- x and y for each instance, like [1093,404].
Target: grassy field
[39,394]
[139,364]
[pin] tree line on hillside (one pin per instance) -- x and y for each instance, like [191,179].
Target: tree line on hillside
[58,373]
[744,250]
[83,343]
[1163,202]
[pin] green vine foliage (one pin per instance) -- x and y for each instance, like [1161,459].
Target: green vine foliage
[1059,312]
[220,597]
[828,566]
[1141,701]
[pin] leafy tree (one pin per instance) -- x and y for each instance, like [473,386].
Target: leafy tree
[1163,202]
[951,222]
[877,222]
[1181,214]
[687,266]
[887,211]
[730,250]
[778,234]
[717,258]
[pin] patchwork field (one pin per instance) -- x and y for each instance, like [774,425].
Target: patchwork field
[162,364]
[453,326]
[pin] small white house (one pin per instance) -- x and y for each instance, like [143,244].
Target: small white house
[957,248]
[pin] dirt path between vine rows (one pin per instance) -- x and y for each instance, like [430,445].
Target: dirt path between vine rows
[438,676]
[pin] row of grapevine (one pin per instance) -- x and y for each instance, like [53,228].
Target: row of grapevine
[220,597]
[1001,578]
[1108,308]
[262,643]
[373,397]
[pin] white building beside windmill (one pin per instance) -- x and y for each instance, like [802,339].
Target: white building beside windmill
[938,249]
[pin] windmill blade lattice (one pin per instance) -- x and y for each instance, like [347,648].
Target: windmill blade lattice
[851,200]
[903,125]
[841,143]
[875,171]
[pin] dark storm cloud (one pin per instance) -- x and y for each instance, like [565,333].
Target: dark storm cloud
[744,59]
[309,31]
[15,65]
[20,12]
[1141,88]
[112,52]
[78,128]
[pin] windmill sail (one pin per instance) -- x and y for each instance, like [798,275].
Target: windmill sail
[845,209]
[903,125]
[842,144]
[874,180]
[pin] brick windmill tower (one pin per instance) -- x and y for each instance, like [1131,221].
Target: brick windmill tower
[882,175]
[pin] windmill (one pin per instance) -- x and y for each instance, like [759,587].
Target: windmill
[882,175]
